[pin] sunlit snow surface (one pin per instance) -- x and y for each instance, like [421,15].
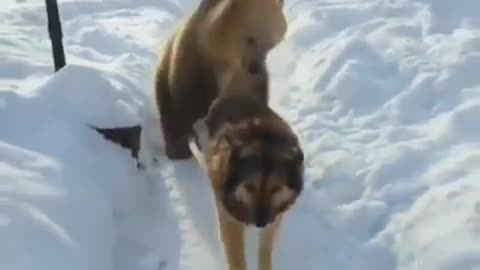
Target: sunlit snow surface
[385,96]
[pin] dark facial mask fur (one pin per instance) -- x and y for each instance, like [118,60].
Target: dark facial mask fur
[265,171]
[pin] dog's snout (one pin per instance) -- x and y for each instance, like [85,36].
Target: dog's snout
[261,217]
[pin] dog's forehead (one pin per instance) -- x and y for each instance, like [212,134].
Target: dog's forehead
[250,148]
[271,148]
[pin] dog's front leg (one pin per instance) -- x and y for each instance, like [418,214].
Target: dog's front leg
[232,235]
[268,237]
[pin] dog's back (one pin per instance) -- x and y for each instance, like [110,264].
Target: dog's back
[212,53]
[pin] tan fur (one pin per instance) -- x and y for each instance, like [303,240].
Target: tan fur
[268,238]
[285,195]
[232,234]
[232,23]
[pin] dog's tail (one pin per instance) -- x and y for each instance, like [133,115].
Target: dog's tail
[199,156]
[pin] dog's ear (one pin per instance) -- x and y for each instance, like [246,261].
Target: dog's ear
[218,165]
[220,155]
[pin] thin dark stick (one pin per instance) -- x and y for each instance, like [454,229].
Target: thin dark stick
[55,32]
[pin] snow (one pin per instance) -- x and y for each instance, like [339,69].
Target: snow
[383,94]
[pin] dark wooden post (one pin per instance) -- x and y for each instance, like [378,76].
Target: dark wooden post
[55,32]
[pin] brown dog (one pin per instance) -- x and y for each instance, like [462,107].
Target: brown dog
[255,165]
[223,45]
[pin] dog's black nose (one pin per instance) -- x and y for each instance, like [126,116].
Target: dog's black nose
[261,217]
[261,223]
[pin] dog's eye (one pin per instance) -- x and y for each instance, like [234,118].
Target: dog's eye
[251,40]
[250,187]
[249,162]
[275,189]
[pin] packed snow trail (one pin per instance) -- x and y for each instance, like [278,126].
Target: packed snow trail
[384,95]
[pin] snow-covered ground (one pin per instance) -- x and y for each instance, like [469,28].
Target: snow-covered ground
[385,95]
